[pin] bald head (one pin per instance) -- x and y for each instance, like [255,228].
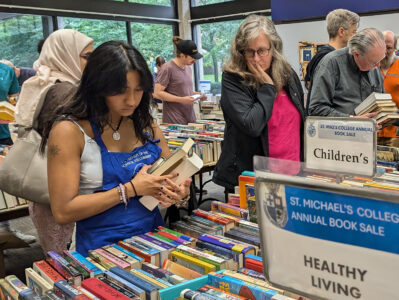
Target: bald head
[390,44]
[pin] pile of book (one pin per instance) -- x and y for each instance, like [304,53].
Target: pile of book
[207,136]
[7,111]
[381,103]
[164,264]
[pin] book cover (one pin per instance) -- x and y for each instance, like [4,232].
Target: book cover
[61,264]
[36,283]
[86,292]
[229,209]
[102,290]
[219,293]
[162,273]
[180,270]
[236,256]
[79,268]
[7,291]
[47,272]
[192,263]
[16,283]
[240,287]
[118,288]
[125,284]
[227,243]
[66,291]
[242,181]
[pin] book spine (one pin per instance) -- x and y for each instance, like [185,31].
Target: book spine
[64,290]
[102,290]
[9,292]
[124,283]
[118,288]
[81,270]
[78,263]
[28,295]
[136,257]
[63,264]
[107,264]
[112,258]
[154,277]
[47,272]
[141,283]
[205,255]
[156,242]
[163,238]
[159,241]
[133,263]
[83,261]
[60,270]
[147,257]
[87,293]
[35,282]
[182,236]
[16,283]
[52,295]
[229,209]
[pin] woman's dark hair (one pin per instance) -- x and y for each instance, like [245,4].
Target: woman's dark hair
[159,61]
[105,75]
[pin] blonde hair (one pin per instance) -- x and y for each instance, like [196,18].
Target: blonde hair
[340,18]
[280,70]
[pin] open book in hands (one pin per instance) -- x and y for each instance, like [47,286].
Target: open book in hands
[180,161]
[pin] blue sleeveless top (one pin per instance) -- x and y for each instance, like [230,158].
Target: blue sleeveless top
[118,223]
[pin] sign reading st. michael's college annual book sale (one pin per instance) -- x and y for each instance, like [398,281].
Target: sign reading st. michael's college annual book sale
[345,145]
[326,240]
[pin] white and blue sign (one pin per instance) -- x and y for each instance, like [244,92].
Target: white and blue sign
[328,245]
[344,145]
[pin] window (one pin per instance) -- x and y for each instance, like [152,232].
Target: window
[153,40]
[206,2]
[214,40]
[153,2]
[19,36]
[99,30]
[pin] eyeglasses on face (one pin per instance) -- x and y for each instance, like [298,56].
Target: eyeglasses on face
[262,52]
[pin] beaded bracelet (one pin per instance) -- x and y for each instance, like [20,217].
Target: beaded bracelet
[123,192]
[183,201]
[118,188]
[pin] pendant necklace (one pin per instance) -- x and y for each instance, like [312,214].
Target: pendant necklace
[116,135]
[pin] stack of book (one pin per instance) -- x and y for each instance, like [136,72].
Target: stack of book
[381,103]
[7,111]
[207,137]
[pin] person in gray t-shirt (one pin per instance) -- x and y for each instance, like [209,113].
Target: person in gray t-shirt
[174,85]
[345,77]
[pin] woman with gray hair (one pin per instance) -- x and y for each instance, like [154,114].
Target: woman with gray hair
[262,102]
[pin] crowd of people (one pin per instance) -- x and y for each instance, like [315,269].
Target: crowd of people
[100,138]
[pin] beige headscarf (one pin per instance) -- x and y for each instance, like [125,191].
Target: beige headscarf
[59,60]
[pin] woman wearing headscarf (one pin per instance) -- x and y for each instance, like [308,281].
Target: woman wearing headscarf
[60,68]
[262,102]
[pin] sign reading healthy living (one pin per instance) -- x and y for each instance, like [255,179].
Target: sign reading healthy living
[344,145]
[328,245]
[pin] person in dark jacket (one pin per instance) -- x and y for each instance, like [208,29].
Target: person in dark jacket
[262,102]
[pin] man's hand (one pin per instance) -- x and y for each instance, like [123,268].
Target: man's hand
[187,100]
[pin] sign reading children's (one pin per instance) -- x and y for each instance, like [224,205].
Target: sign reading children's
[344,145]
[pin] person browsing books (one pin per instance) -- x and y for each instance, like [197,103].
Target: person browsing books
[342,24]
[262,102]
[99,152]
[174,84]
[345,77]
[61,63]
[390,70]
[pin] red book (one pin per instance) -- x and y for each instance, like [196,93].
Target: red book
[102,290]
[47,272]
[253,264]
[60,270]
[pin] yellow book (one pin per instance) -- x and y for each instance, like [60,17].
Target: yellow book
[96,264]
[148,279]
[192,263]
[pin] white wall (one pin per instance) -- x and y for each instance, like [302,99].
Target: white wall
[293,33]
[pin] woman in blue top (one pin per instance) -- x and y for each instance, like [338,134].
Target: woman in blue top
[99,153]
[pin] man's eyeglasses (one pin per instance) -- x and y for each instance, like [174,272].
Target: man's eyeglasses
[262,52]
[86,55]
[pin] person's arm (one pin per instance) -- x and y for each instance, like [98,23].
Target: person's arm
[65,145]
[160,93]
[323,90]
[248,114]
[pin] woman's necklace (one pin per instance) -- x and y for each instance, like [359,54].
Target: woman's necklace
[116,135]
